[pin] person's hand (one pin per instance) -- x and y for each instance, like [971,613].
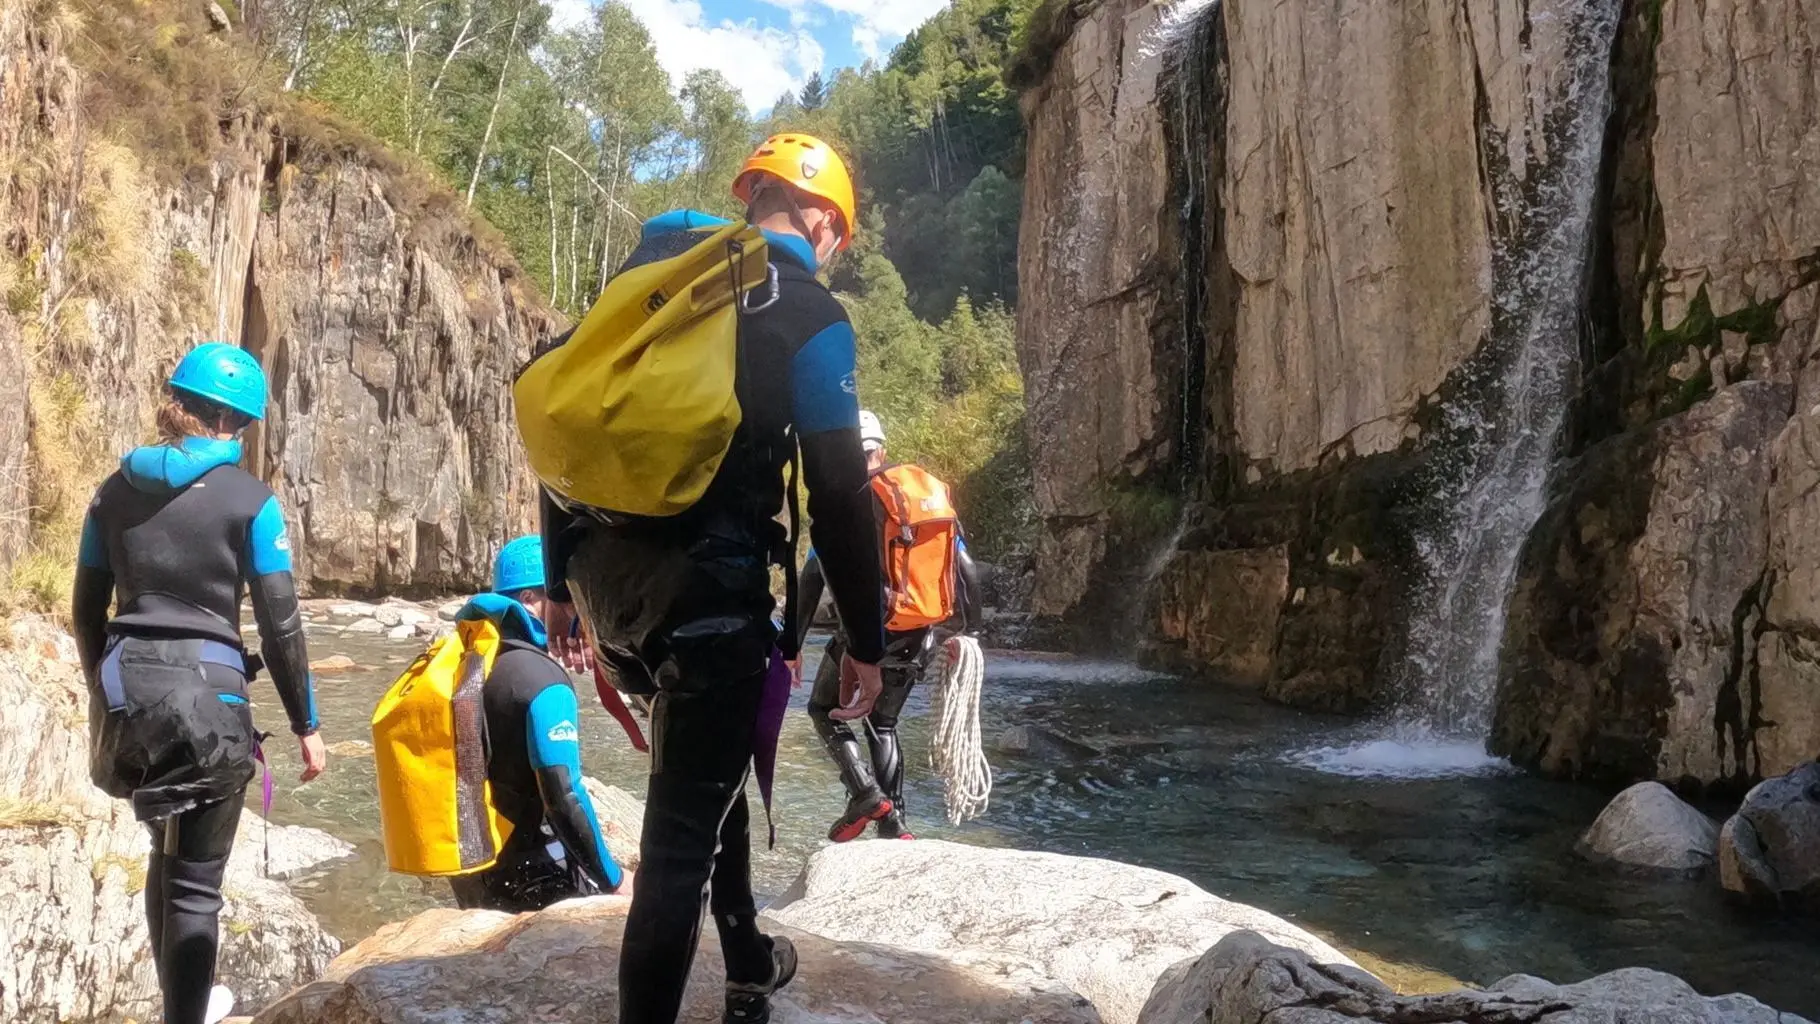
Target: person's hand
[796,673]
[568,645]
[860,685]
[315,755]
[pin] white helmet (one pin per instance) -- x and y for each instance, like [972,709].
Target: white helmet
[871,431]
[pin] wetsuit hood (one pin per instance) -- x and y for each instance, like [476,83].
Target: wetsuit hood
[795,249]
[514,620]
[162,468]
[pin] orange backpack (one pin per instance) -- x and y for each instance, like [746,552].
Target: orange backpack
[920,530]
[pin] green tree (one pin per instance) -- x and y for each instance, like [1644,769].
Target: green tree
[814,93]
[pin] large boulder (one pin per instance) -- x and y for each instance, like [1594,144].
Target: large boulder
[72,866]
[1104,929]
[1247,978]
[1769,852]
[562,965]
[74,922]
[1650,830]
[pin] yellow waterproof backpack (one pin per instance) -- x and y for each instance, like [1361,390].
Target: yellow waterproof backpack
[430,748]
[635,412]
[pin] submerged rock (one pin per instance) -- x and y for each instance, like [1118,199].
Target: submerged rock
[562,965]
[1037,741]
[1104,929]
[1247,978]
[1649,829]
[353,610]
[333,664]
[395,614]
[1769,852]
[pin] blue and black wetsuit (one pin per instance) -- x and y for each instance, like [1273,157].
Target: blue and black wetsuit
[906,657]
[174,540]
[682,611]
[534,768]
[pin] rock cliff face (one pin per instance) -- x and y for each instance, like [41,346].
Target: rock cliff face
[1271,250]
[389,333]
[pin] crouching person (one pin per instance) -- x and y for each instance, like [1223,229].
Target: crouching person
[497,805]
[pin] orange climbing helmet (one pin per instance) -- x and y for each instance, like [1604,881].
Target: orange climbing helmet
[809,164]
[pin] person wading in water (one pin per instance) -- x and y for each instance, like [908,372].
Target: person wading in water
[929,576]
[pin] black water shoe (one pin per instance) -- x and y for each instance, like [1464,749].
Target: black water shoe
[749,1003]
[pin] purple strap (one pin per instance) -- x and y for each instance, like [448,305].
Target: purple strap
[770,725]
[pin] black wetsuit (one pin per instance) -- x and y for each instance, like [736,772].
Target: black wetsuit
[534,769]
[175,539]
[906,657]
[682,610]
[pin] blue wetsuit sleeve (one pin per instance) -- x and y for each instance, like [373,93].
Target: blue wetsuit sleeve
[268,542]
[92,553]
[825,403]
[554,743]
[280,616]
[824,393]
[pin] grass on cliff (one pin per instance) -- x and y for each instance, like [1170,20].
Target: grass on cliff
[65,463]
[160,80]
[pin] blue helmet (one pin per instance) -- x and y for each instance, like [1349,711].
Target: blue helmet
[224,374]
[519,565]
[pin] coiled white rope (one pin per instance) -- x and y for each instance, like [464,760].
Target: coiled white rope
[958,750]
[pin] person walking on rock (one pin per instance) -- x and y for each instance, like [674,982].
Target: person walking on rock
[533,755]
[932,588]
[681,608]
[174,540]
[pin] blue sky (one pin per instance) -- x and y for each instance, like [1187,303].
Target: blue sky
[766,46]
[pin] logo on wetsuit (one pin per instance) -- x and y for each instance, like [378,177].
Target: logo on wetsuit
[564,732]
[283,543]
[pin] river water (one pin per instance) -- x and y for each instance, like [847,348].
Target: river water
[1425,868]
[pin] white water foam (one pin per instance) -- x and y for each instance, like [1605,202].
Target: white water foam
[1173,25]
[1414,754]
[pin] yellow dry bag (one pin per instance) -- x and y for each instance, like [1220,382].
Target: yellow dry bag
[430,748]
[634,414]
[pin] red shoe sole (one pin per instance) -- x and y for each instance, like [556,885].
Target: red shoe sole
[846,832]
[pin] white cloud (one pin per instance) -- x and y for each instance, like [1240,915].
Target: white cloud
[567,14]
[875,22]
[761,63]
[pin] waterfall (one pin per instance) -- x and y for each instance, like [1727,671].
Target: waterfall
[1490,487]
[1186,40]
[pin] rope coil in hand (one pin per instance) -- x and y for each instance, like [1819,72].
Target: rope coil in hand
[957,752]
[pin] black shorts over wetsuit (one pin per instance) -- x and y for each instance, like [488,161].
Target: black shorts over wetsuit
[176,538]
[682,611]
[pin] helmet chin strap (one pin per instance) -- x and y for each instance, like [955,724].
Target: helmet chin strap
[797,220]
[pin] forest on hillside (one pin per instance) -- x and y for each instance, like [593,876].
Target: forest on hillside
[566,140]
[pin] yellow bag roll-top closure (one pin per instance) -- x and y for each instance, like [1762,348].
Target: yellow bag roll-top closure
[635,412]
[429,748]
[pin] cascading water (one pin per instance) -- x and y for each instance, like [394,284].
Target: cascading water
[1185,39]
[1500,436]
[1494,488]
